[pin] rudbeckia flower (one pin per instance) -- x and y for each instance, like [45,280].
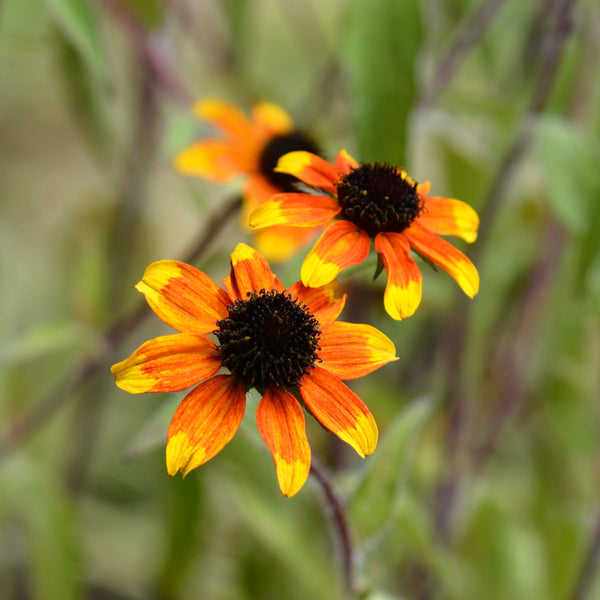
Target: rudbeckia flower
[285,343]
[373,201]
[250,147]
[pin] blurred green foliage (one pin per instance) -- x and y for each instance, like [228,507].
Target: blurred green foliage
[485,484]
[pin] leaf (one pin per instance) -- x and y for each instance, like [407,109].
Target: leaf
[77,21]
[32,498]
[377,495]
[40,340]
[570,161]
[383,41]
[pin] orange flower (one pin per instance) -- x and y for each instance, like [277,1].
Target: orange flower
[379,202]
[285,343]
[251,148]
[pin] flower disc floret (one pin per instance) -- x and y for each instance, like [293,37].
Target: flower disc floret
[274,149]
[269,338]
[377,197]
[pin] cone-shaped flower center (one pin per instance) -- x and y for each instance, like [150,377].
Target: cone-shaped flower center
[269,338]
[275,148]
[378,197]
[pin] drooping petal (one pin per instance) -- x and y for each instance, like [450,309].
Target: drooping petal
[215,160]
[271,118]
[280,422]
[448,216]
[204,422]
[339,409]
[310,168]
[322,301]
[344,162]
[404,281]
[225,116]
[249,272]
[169,363]
[183,296]
[444,254]
[299,210]
[340,246]
[350,351]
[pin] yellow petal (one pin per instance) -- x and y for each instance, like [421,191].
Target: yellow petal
[204,422]
[340,410]
[280,422]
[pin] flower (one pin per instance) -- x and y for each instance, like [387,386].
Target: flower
[373,201]
[250,147]
[285,343]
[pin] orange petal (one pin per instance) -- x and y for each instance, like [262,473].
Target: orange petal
[212,159]
[169,363]
[444,254]
[447,216]
[272,118]
[183,296]
[225,116]
[250,272]
[299,210]
[204,422]
[280,422]
[310,168]
[344,162]
[350,351]
[404,285]
[280,243]
[322,301]
[340,246]
[340,410]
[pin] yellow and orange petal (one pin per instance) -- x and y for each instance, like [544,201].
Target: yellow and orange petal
[404,287]
[227,117]
[339,410]
[250,272]
[215,160]
[351,350]
[183,297]
[448,216]
[280,422]
[169,363]
[280,243]
[323,301]
[271,119]
[340,246]
[295,209]
[444,254]
[204,423]
[310,168]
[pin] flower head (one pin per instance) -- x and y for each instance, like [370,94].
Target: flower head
[285,343]
[361,202]
[250,147]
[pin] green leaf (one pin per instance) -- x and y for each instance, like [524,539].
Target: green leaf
[377,495]
[40,340]
[77,21]
[383,41]
[570,161]
[32,498]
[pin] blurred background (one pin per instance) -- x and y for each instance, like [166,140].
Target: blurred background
[485,484]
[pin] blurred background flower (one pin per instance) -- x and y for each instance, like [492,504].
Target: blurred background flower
[485,480]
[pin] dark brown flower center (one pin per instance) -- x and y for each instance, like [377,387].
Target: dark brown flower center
[376,197]
[269,338]
[275,148]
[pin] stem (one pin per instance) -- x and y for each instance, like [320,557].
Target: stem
[337,514]
[456,341]
[49,405]
[589,569]
[471,33]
